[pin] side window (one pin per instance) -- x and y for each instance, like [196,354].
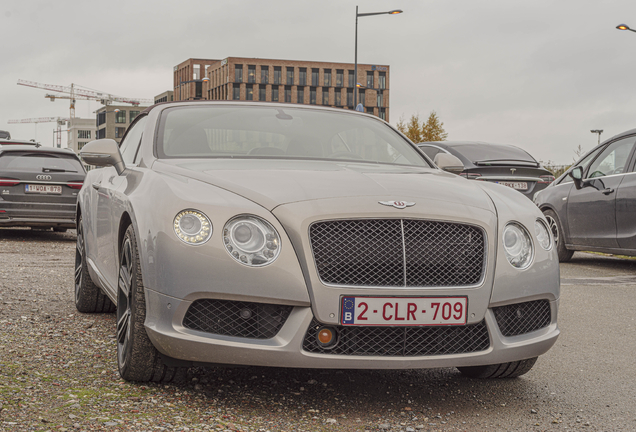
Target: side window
[430,151]
[583,163]
[612,160]
[130,144]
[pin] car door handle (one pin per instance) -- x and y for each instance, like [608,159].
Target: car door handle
[96,185]
[608,191]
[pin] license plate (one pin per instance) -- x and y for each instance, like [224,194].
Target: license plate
[404,311]
[515,185]
[43,189]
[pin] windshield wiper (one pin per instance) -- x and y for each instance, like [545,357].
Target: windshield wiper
[56,170]
[501,161]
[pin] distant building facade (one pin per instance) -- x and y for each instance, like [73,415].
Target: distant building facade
[289,81]
[80,132]
[113,120]
[167,96]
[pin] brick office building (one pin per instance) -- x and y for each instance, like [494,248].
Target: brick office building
[290,81]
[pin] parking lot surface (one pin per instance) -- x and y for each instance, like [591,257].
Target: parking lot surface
[58,369]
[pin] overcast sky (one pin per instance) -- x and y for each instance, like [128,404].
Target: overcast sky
[537,74]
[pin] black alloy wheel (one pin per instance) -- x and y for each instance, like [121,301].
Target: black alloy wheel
[124,302]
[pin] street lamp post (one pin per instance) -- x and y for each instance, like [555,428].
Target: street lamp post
[625,27]
[599,132]
[355,66]
[206,79]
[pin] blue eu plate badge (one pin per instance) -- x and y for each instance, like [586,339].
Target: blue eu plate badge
[348,309]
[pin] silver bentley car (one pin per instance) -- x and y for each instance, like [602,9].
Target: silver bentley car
[298,236]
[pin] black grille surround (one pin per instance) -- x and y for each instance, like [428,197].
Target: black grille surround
[398,253]
[401,341]
[521,318]
[236,318]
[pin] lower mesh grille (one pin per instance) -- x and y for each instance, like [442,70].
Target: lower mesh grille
[402,341]
[523,318]
[235,318]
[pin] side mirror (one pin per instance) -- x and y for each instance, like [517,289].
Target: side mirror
[577,175]
[103,152]
[449,163]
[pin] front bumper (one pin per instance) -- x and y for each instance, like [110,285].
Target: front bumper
[164,325]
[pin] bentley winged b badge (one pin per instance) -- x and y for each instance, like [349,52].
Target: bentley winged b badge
[397,204]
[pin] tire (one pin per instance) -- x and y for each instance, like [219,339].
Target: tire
[557,233]
[88,296]
[137,357]
[503,370]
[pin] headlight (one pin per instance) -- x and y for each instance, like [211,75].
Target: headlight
[543,234]
[251,240]
[517,245]
[192,227]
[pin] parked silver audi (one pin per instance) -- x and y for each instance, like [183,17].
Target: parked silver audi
[299,236]
[39,186]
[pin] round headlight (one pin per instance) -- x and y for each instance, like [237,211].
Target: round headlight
[517,245]
[543,234]
[192,227]
[251,240]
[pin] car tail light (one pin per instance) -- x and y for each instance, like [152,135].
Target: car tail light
[75,185]
[471,176]
[8,182]
[546,179]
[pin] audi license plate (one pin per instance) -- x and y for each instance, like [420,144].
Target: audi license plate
[43,189]
[404,311]
[515,185]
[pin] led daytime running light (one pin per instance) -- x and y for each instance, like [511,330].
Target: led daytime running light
[192,227]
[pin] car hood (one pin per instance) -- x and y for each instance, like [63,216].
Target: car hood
[272,183]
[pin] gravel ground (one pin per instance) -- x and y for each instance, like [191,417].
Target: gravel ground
[58,372]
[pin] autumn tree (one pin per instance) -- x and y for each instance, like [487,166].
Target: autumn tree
[416,131]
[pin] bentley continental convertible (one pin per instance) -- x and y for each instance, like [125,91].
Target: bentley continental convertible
[299,236]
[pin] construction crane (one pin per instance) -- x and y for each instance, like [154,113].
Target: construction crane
[73,92]
[61,121]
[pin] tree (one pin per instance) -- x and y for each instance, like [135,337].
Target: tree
[417,131]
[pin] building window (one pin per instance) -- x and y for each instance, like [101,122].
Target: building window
[120,116]
[369,110]
[275,94]
[382,80]
[198,90]
[363,99]
[81,145]
[351,79]
[288,94]
[249,92]
[238,73]
[101,133]
[338,94]
[380,99]
[325,96]
[312,95]
[262,92]
[84,134]
[101,118]
[251,73]
[277,75]
[339,77]
[265,74]
[300,95]
[290,76]
[132,115]
[383,113]
[350,97]
[236,93]
[315,73]
[327,78]
[302,76]
[370,79]
[119,132]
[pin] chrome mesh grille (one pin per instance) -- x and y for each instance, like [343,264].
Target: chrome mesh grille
[398,252]
[523,318]
[402,341]
[235,318]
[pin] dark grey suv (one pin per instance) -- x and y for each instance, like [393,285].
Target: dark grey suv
[39,186]
[592,207]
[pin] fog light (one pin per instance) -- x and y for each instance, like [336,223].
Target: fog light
[326,337]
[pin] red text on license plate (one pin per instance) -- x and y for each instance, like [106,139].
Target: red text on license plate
[404,311]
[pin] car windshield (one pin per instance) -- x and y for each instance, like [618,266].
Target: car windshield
[493,154]
[272,132]
[39,162]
